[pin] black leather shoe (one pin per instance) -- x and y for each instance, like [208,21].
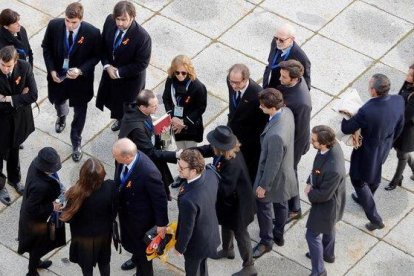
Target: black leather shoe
[5,197]
[128,265]
[116,125]
[18,187]
[324,273]
[355,198]
[393,184]
[44,264]
[280,241]
[330,260]
[293,216]
[373,226]
[229,254]
[260,249]
[60,124]
[77,154]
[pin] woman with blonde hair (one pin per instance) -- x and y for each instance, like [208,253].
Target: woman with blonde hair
[90,212]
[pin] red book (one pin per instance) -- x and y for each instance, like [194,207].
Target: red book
[162,124]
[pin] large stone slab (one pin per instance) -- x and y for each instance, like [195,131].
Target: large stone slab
[101,146]
[201,15]
[41,82]
[35,43]
[170,39]
[401,56]
[311,14]
[319,100]
[154,5]
[253,34]
[384,259]
[49,6]
[366,29]
[400,8]
[399,236]
[333,66]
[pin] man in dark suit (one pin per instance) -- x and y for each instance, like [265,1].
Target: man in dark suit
[71,49]
[245,118]
[18,91]
[297,97]
[284,47]
[326,193]
[381,121]
[275,181]
[126,55]
[197,230]
[142,201]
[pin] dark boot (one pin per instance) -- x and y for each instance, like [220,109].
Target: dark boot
[394,183]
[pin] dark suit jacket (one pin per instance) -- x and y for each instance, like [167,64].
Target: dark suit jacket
[22,45]
[247,122]
[142,203]
[327,195]
[84,55]
[405,142]
[131,58]
[271,77]
[197,230]
[381,121]
[298,99]
[16,122]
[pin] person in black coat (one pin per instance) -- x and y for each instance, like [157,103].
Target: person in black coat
[18,91]
[12,33]
[284,47]
[142,201]
[245,118]
[71,49]
[126,55]
[381,121]
[90,210]
[235,205]
[39,201]
[185,99]
[197,230]
[297,98]
[326,192]
[404,144]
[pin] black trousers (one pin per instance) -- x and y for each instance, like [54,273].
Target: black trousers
[144,267]
[104,270]
[243,243]
[12,166]
[266,223]
[404,158]
[78,123]
[195,266]
[365,192]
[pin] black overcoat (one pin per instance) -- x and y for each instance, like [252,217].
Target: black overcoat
[131,58]
[84,55]
[405,142]
[142,203]
[16,122]
[91,227]
[39,194]
[194,103]
[327,195]
[247,122]
[20,42]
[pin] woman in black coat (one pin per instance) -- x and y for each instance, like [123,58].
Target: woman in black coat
[90,213]
[235,205]
[404,144]
[12,33]
[185,99]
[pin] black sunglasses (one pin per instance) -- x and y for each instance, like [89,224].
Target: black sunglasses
[180,72]
[281,40]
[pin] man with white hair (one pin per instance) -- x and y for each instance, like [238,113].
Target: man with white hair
[282,48]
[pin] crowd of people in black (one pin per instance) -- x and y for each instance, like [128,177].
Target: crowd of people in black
[255,156]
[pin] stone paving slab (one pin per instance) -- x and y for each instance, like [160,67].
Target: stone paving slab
[401,235]
[401,8]
[319,100]
[154,5]
[401,56]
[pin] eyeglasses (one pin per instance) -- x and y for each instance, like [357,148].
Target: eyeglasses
[183,73]
[281,40]
[182,168]
[235,82]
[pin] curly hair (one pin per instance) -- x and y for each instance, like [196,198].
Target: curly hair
[186,62]
[194,159]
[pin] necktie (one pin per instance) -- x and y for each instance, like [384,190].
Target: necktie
[125,172]
[238,97]
[70,39]
[118,40]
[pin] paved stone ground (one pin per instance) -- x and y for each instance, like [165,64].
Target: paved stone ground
[346,40]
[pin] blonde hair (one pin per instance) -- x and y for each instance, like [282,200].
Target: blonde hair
[228,154]
[186,62]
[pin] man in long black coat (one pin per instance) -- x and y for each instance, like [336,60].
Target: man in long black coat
[326,192]
[381,121]
[126,56]
[197,230]
[18,91]
[297,97]
[71,49]
[284,47]
[245,118]
[142,201]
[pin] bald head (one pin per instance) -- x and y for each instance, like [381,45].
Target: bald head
[285,35]
[124,151]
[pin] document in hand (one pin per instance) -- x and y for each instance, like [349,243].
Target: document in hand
[162,124]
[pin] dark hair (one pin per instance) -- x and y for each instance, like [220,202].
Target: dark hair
[381,83]
[240,68]
[325,135]
[91,176]
[144,96]
[74,10]
[294,67]
[8,16]
[271,97]
[8,53]
[194,159]
[123,7]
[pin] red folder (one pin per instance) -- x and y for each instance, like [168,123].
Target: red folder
[162,124]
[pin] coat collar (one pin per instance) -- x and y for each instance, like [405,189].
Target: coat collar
[273,122]
[193,185]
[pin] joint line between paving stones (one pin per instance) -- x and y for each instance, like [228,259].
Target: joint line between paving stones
[394,15]
[33,7]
